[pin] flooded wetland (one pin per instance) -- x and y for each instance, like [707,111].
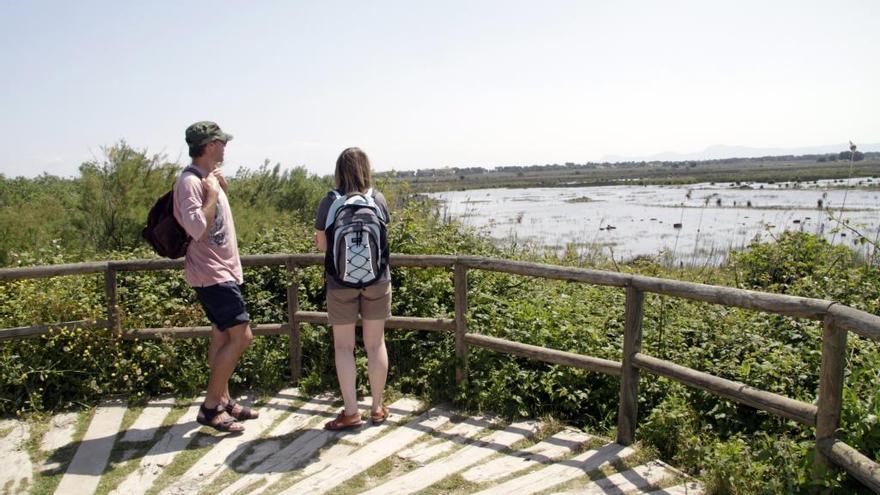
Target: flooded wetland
[690,224]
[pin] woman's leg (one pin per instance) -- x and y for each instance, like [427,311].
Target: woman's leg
[343,350]
[377,359]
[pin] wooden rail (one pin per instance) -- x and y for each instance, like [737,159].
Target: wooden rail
[729,389]
[837,320]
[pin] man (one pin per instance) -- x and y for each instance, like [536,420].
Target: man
[213,269]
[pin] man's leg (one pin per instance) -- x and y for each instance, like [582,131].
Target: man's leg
[343,351]
[377,360]
[218,340]
[225,359]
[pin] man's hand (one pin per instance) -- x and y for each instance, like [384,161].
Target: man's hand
[209,206]
[220,179]
[211,185]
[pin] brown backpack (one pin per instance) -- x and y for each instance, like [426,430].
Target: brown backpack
[163,233]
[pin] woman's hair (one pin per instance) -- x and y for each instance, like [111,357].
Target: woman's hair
[353,171]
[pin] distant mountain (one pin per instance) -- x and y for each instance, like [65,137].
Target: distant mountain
[720,151]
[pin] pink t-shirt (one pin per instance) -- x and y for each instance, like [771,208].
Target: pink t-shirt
[212,257]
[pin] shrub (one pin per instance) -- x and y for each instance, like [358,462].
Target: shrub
[734,448]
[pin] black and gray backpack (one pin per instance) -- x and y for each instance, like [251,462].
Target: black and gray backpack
[357,244]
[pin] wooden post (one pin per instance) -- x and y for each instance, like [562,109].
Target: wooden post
[113,322]
[629,374]
[293,323]
[461,307]
[830,388]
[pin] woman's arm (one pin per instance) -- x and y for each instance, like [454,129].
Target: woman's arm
[321,240]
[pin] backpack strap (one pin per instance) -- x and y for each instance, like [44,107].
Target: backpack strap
[342,199]
[192,170]
[371,193]
[338,201]
[188,169]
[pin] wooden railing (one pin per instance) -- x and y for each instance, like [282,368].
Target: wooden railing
[837,320]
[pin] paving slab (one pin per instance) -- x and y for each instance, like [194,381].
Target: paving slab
[458,434]
[226,451]
[429,474]
[311,412]
[561,472]
[147,424]
[304,448]
[340,470]
[270,462]
[60,433]
[289,452]
[318,407]
[288,459]
[557,446]
[397,411]
[689,488]
[174,441]
[17,473]
[84,471]
[635,480]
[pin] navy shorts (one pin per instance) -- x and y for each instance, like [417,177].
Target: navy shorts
[224,304]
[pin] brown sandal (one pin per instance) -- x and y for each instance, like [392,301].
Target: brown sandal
[379,417]
[244,413]
[214,418]
[343,422]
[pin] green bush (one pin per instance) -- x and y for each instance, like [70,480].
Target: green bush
[734,448]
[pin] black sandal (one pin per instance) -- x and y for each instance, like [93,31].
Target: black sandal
[207,416]
[244,412]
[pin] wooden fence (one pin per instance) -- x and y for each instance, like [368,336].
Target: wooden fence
[838,320]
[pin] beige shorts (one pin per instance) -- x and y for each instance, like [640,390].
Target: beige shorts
[372,303]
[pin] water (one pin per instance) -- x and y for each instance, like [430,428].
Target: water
[685,222]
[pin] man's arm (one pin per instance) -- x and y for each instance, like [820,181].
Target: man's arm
[196,215]
[209,207]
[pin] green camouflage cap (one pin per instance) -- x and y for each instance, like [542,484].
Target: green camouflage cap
[204,132]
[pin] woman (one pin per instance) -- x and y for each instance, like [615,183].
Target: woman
[372,302]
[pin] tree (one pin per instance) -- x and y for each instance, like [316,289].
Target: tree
[851,155]
[34,213]
[290,191]
[116,193]
[267,197]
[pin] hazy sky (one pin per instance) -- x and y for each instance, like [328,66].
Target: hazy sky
[433,84]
